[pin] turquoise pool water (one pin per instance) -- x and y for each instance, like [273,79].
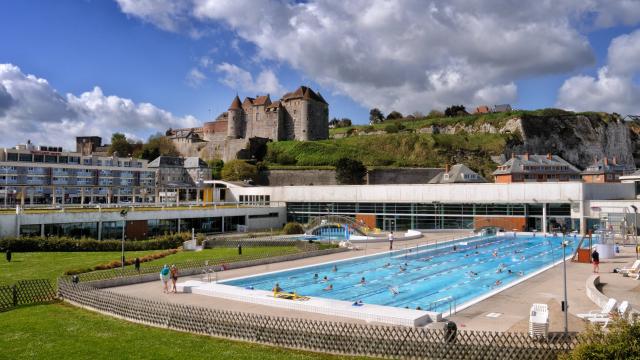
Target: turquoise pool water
[425,277]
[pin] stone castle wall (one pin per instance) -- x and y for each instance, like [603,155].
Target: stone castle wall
[328,177]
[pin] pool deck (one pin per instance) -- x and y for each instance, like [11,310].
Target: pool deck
[505,311]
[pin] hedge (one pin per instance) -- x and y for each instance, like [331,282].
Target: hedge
[28,244]
[116,264]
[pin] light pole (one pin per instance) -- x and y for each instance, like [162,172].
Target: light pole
[123,213]
[565,307]
[635,229]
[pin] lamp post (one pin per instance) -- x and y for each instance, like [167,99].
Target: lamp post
[635,229]
[123,213]
[565,306]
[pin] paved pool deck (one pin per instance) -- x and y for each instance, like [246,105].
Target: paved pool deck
[508,310]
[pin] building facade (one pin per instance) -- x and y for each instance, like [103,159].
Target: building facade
[536,168]
[299,115]
[605,171]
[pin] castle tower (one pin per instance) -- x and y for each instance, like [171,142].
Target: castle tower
[304,115]
[234,119]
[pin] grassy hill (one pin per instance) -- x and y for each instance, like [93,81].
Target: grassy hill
[471,140]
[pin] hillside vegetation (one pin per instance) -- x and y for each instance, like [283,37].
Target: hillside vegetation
[470,139]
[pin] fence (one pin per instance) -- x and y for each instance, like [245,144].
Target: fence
[26,292]
[314,335]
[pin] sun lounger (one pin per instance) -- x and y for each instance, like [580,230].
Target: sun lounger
[622,311]
[603,312]
[634,269]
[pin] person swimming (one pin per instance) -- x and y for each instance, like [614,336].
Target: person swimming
[325,278]
[335,268]
[315,276]
[418,308]
[402,269]
[394,290]
[363,281]
[455,248]
[328,288]
[499,271]
[387,265]
[497,283]
[520,273]
[495,253]
[473,273]
[509,272]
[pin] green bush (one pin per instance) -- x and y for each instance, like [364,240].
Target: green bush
[292,228]
[63,244]
[239,170]
[116,264]
[621,341]
[391,128]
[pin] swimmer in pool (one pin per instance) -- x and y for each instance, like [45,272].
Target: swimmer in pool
[363,281]
[325,278]
[387,264]
[509,272]
[499,271]
[402,269]
[393,290]
[315,276]
[497,283]
[455,248]
[520,273]
[277,288]
[335,268]
[473,273]
[328,288]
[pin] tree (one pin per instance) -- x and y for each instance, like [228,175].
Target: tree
[418,115]
[158,145]
[375,116]
[435,114]
[394,115]
[455,110]
[344,122]
[120,145]
[350,171]
[239,170]
[216,168]
[334,122]
[621,341]
[293,228]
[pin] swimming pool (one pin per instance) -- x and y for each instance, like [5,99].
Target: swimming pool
[427,277]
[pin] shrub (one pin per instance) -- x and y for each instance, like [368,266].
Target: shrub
[621,341]
[368,129]
[350,171]
[391,129]
[28,244]
[116,264]
[292,228]
[239,170]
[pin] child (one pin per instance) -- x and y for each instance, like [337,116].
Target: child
[164,277]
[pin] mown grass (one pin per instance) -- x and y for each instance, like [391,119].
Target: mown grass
[51,265]
[60,331]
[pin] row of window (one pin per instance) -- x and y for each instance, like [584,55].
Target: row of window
[64,159]
[427,208]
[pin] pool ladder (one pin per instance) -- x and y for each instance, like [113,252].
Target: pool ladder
[449,300]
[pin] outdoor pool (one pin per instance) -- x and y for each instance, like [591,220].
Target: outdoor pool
[429,277]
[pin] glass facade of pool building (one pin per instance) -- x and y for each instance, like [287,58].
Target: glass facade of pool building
[430,216]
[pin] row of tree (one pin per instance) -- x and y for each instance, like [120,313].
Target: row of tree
[376,116]
[155,146]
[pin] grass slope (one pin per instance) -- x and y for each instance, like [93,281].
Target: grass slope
[50,265]
[60,331]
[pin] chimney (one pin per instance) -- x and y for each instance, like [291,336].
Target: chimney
[614,160]
[526,156]
[606,161]
[446,168]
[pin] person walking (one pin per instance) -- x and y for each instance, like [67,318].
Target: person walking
[174,277]
[137,264]
[391,237]
[595,259]
[8,255]
[164,277]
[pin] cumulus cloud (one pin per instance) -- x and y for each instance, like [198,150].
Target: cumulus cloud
[613,89]
[36,111]
[241,79]
[410,55]
[195,77]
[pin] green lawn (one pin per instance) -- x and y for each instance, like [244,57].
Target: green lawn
[60,331]
[51,265]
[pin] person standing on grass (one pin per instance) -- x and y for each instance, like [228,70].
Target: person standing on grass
[174,277]
[164,277]
[391,241]
[8,255]
[137,264]
[595,258]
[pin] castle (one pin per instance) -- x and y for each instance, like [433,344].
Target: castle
[299,115]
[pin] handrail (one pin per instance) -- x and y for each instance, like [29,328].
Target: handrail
[323,220]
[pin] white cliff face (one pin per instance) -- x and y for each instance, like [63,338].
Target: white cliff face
[578,139]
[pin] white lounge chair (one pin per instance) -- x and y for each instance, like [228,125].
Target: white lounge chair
[603,312]
[634,269]
[622,310]
[539,320]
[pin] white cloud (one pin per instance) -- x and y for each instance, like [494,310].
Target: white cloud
[412,55]
[32,109]
[239,79]
[195,77]
[613,89]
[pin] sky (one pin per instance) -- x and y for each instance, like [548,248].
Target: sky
[93,67]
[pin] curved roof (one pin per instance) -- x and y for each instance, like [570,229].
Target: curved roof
[235,104]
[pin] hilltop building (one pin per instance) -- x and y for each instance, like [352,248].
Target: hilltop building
[299,115]
[536,168]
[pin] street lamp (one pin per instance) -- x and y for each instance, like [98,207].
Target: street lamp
[123,213]
[635,228]
[565,303]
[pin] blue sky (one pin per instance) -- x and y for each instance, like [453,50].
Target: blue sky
[146,51]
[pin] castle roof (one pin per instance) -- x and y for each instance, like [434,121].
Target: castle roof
[304,92]
[262,100]
[248,101]
[275,104]
[235,104]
